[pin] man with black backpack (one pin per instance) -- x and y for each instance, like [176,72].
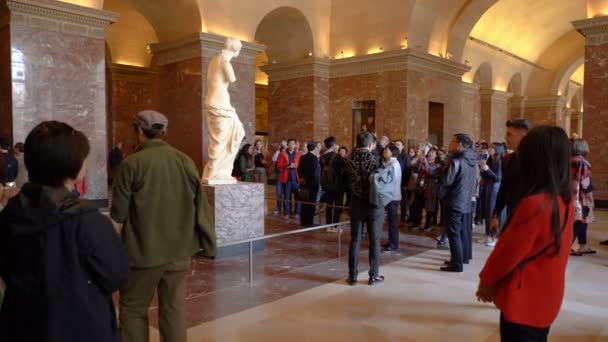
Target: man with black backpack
[332,167]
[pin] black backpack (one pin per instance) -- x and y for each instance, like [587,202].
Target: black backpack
[328,176]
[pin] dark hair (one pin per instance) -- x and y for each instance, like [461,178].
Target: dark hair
[292,139]
[580,148]
[245,149]
[519,124]
[19,147]
[329,142]
[364,139]
[500,149]
[311,145]
[54,152]
[343,148]
[550,173]
[464,140]
[394,150]
[484,146]
[436,153]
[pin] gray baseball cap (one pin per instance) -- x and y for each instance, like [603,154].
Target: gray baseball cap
[150,119]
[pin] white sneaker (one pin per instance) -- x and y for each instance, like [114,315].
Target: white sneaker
[491,242]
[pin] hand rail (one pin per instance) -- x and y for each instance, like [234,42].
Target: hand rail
[292,232]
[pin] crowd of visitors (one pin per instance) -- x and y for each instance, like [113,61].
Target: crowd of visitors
[532,210]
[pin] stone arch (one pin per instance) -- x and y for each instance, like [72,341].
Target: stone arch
[563,77]
[171,19]
[483,76]
[516,85]
[128,38]
[461,30]
[287,34]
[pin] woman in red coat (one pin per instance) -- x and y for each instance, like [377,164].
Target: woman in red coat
[525,274]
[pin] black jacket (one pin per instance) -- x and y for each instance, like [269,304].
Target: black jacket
[510,178]
[406,167]
[309,171]
[358,168]
[61,260]
[459,181]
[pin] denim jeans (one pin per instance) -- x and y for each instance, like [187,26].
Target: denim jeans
[362,211]
[290,190]
[393,224]
[279,195]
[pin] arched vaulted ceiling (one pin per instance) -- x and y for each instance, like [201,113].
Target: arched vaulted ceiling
[287,35]
[128,38]
[171,19]
[528,28]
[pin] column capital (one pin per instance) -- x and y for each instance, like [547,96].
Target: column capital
[58,16]
[594,29]
[199,45]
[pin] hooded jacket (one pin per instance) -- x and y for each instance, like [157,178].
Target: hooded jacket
[460,182]
[61,261]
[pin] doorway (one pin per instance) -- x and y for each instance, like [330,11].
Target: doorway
[364,118]
[436,117]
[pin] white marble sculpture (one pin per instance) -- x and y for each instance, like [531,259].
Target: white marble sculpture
[226,131]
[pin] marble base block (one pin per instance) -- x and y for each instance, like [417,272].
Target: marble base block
[237,213]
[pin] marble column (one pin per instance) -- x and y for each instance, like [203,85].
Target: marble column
[546,110]
[298,100]
[595,108]
[517,107]
[471,108]
[494,114]
[182,72]
[52,57]
[131,90]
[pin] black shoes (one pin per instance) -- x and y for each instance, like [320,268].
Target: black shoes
[604,243]
[372,280]
[451,269]
[387,249]
[376,280]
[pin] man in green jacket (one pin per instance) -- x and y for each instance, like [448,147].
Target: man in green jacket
[159,208]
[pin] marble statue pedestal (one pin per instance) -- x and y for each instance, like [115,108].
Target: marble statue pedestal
[238,214]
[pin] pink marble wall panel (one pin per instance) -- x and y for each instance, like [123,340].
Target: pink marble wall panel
[180,99]
[128,97]
[6,103]
[63,79]
[291,109]
[486,120]
[500,111]
[388,89]
[471,108]
[321,109]
[539,116]
[423,88]
[595,119]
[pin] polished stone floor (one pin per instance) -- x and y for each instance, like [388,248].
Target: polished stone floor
[299,294]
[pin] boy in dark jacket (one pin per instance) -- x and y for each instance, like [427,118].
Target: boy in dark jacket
[60,258]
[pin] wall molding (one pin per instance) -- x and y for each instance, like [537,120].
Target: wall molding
[594,29]
[470,88]
[312,66]
[202,45]
[133,74]
[60,17]
[494,96]
[397,60]
[550,101]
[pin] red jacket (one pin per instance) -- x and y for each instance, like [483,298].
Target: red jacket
[533,295]
[282,164]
